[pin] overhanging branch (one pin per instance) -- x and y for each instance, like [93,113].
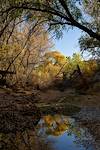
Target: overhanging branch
[47,9]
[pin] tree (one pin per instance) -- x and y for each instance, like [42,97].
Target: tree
[58,14]
[92,8]
[22,53]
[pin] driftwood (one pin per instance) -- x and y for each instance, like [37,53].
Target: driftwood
[78,75]
[3,74]
[76,72]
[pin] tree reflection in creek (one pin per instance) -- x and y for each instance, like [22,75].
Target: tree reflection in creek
[63,130]
[54,125]
[53,132]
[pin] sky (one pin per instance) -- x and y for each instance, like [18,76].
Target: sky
[69,43]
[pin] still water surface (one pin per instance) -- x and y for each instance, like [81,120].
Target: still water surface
[63,133]
[53,132]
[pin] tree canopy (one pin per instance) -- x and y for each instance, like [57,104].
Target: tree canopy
[57,14]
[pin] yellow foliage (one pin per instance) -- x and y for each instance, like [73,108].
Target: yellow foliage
[48,119]
[56,125]
[89,67]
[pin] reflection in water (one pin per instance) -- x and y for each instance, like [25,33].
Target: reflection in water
[54,125]
[64,133]
[52,133]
